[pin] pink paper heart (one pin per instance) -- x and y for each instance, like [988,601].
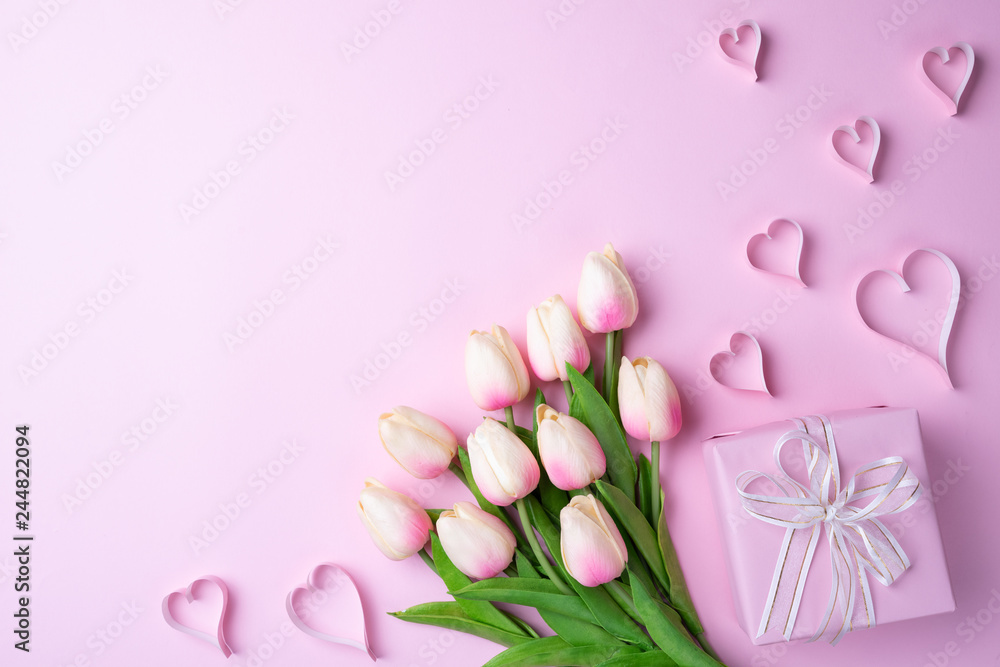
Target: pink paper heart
[310,608]
[942,72]
[779,250]
[742,51]
[946,323]
[214,636]
[742,367]
[861,157]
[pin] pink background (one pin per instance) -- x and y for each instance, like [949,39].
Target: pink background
[547,88]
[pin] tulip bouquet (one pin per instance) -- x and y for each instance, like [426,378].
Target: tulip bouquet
[588,544]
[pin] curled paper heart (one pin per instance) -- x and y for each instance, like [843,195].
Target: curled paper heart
[730,38]
[745,355]
[762,251]
[216,636]
[949,318]
[305,604]
[939,59]
[865,167]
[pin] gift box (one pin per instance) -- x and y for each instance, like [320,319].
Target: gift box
[828,524]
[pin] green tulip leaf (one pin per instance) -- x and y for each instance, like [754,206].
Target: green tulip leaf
[538,593]
[647,659]
[588,406]
[635,524]
[646,489]
[574,631]
[452,616]
[525,569]
[556,652]
[549,531]
[477,610]
[638,569]
[678,592]
[610,615]
[611,379]
[671,639]
[521,623]
[539,399]
[528,438]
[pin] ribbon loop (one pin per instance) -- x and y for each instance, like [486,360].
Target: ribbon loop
[859,543]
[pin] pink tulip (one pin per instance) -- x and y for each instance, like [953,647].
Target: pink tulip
[648,400]
[503,466]
[555,338]
[494,369]
[592,548]
[570,453]
[423,445]
[606,300]
[478,543]
[398,525]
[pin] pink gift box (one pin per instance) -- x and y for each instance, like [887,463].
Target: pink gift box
[753,546]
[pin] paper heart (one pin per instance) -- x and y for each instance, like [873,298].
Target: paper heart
[764,261]
[944,58]
[867,167]
[730,37]
[217,638]
[319,589]
[741,344]
[949,319]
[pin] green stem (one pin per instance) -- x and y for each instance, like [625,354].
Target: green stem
[568,387]
[509,414]
[624,600]
[522,511]
[458,472]
[426,557]
[654,502]
[707,647]
[609,363]
[613,399]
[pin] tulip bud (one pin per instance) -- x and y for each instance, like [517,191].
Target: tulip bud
[648,400]
[494,369]
[398,525]
[555,338]
[592,548]
[478,543]
[423,445]
[570,453]
[606,300]
[503,466]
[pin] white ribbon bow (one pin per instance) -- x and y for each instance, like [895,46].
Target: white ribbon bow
[859,542]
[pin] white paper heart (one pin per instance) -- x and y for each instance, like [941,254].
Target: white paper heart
[867,170]
[734,34]
[946,324]
[722,361]
[216,638]
[952,101]
[319,586]
[757,240]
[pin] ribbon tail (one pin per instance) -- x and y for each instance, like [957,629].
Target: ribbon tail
[788,581]
[857,615]
[834,590]
[841,586]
